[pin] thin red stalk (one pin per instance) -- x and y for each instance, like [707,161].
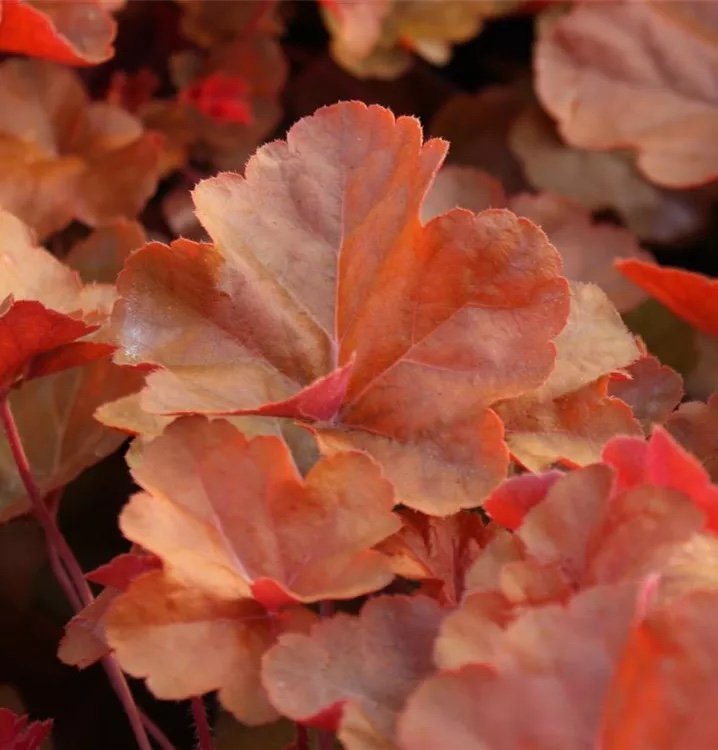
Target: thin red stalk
[156,733]
[325,740]
[55,539]
[73,581]
[52,503]
[204,733]
[119,684]
[301,737]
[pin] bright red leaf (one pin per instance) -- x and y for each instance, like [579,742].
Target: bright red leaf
[73,33]
[18,733]
[691,296]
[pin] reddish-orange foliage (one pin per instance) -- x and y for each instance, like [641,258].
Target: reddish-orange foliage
[689,295]
[64,32]
[349,350]
[338,281]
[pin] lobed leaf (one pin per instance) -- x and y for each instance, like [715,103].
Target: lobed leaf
[233,517]
[336,277]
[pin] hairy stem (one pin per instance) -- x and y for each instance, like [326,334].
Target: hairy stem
[65,565]
[204,733]
[301,737]
[325,740]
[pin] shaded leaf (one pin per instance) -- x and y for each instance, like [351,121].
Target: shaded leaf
[362,686]
[635,75]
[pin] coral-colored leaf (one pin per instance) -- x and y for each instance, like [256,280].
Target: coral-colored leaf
[220,97]
[666,684]
[689,295]
[186,643]
[123,569]
[662,462]
[552,662]
[340,274]
[462,187]
[84,641]
[18,733]
[365,685]
[234,518]
[513,498]
[635,75]
[73,33]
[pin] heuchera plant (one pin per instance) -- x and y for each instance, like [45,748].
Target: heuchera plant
[409,472]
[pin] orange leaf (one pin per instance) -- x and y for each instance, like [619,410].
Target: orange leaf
[65,32]
[359,689]
[689,295]
[513,498]
[635,75]
[462,187]
[186,643]
[570,417]
[341,275]
[234,518]
[666,684]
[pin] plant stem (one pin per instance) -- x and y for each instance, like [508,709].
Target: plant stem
[65,565]
[204,733]
[325,740]
[301,737]
[155,732]
[52,503]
